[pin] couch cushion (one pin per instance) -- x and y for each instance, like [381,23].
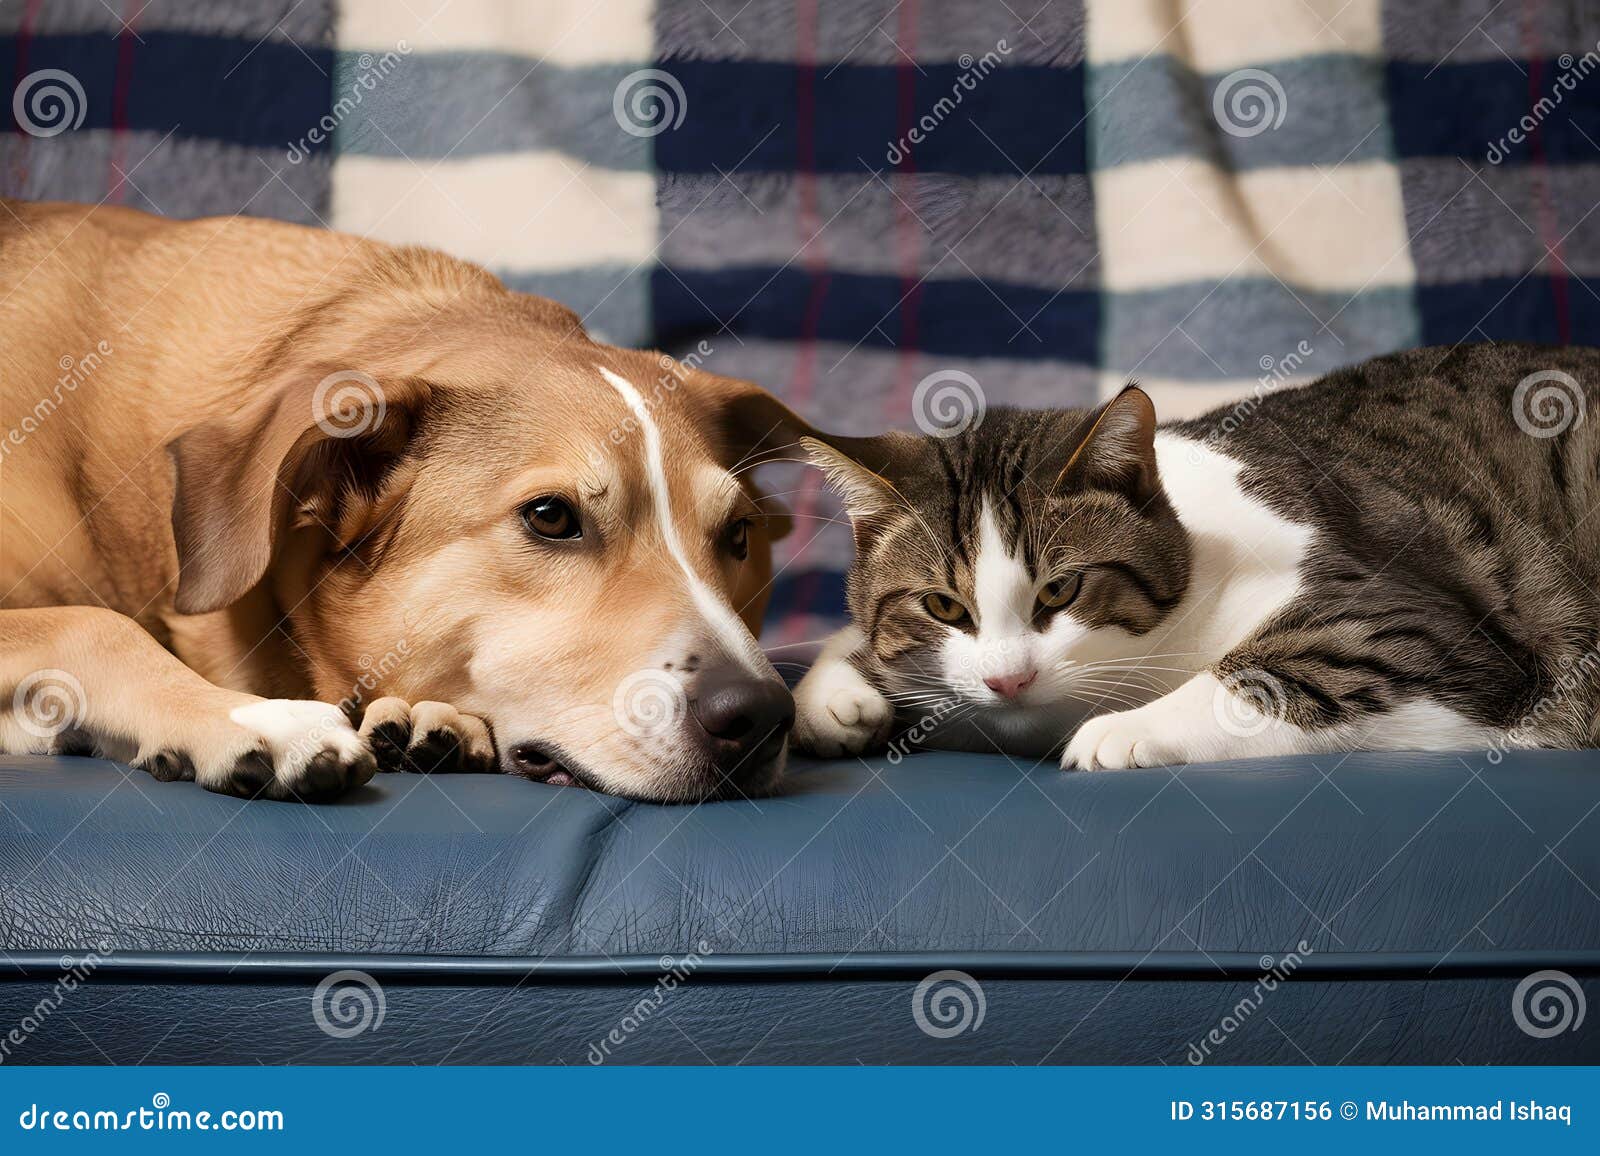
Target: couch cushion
[1372,860]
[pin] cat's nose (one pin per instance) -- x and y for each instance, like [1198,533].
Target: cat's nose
[1010,685]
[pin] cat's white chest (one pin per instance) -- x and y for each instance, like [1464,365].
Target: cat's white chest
[1245,558]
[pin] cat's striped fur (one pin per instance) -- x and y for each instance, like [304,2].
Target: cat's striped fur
[1404,554]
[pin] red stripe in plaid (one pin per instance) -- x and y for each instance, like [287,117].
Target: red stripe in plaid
[121,84]
[19,155]
[907,241]
[815,263]
[1549,222]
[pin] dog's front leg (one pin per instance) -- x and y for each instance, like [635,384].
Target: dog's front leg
[426,738]
[85,679]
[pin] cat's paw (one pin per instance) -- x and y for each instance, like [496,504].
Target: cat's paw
[837,712]
[1123,739]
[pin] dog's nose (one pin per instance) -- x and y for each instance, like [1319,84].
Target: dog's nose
[744,718]
[1011,685]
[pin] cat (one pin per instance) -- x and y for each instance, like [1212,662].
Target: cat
[1401,555]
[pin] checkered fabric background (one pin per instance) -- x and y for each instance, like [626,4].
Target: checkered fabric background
[1201,193]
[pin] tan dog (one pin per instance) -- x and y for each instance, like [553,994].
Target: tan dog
[252,470]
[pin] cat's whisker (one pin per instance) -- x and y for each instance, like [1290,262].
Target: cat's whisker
[1121,666]
[1114,674]
[1129,701]
[1143,657]
[837,520]
[1148,671]
[1107,699]
[1093,703]
[743,466]
[920,697]
[1122,677]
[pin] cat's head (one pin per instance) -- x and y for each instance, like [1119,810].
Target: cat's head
[994,566]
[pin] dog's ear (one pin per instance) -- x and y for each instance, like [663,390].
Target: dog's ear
[311,443]
[747,427]
[753,427]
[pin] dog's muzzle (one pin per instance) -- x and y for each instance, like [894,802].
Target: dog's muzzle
[734,730]
[743,721]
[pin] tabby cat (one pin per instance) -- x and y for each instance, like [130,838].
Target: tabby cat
[1401,555]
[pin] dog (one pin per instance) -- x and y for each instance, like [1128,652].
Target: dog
[281,508]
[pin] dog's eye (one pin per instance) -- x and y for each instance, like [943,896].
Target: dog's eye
[551,517]
[1054,595]
[944,609]
[739,539]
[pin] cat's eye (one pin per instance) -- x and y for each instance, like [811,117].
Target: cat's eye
[551,517]
[944,609]
[1054,595]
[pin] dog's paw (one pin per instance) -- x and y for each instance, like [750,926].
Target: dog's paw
[837,712]
[288,749]
[427,738]
[1120,740]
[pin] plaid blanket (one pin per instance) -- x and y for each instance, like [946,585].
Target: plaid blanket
[888,211]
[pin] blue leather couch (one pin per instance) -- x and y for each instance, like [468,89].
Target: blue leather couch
[1128,917]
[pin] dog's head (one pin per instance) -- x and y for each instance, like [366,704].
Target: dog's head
[476,504]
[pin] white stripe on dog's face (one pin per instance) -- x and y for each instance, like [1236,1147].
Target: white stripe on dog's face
[713,606]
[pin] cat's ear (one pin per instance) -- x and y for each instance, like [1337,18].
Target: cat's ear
[861,471]
[1116,446]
